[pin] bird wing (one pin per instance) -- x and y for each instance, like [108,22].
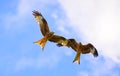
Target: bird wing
[73,44]
[60,40]
[89,48]
[42,22]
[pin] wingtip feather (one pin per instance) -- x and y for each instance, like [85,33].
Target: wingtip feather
[95,53]
[36,13]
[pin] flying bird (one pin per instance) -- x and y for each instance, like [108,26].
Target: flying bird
[48,35]
[79,48]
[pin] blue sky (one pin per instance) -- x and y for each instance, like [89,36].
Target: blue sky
[87,21]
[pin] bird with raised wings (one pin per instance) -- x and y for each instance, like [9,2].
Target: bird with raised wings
[79,48]
[48,35]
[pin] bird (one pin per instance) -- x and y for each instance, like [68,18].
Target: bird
[85,49]
[79,48]
[48,35]
[60,41]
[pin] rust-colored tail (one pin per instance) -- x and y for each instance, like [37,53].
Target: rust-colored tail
[41,42]
[77,57]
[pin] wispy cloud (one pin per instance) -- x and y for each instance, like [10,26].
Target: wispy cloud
[98,21]
[39,62]
[23,11]
[19,19]
[83,73]
[99,67]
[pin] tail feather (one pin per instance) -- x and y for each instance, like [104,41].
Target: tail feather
[77,58]
[41,42]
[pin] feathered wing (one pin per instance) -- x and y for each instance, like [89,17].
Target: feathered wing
[43,28]
[42,22]
[89,48]
[73,44]
[60,40]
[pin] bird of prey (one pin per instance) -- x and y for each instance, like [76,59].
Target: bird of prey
[79,48]
[48,35]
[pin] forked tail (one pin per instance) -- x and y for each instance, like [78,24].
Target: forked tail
[77,57]
[41,42]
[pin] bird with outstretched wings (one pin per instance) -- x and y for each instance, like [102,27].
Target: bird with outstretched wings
[79,48]
[48,35]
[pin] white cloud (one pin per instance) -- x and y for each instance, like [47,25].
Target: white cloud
[99,67]
[83,73]
[97,22]
[23,11]
[61,27]
[23,63]
[17,20]
[106,68]
[39,62]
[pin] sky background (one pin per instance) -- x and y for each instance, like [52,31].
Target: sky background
[88,21]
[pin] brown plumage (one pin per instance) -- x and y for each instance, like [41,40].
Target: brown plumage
[43,41]
[89,48]
[79,48]
[46,31]
[42,22]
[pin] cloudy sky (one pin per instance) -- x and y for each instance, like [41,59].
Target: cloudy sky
[88,21]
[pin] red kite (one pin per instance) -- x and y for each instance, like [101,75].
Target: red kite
[48,35]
